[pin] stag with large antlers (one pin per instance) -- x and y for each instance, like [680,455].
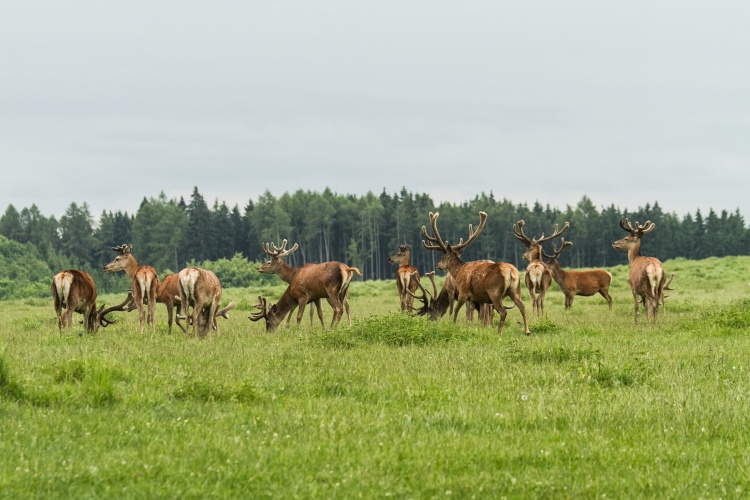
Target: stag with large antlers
[437,304]
[329,280]
[477,281]
[201,290]
[646,277]
[537,276]
[583,283]
[74,290]
[407,276]
[144,281]
[276,265]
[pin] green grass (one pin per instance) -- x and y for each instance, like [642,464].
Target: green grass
[587,406]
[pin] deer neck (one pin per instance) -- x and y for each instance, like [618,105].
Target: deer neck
[131,267]
[287,272]
[454,264]
[557,271]
[634,252]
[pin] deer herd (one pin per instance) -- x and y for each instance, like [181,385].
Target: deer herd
[481,285]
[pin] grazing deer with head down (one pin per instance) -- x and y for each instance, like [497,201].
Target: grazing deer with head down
[276,265]
[329,280]
[646,277]
[437,304]
[477,281]
[200,288]
[169,295]
[143,281]
[537,276]
[572,283]
[407,276]
[74,290]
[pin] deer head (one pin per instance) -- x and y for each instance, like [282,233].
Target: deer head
[403,254]
[122,260]
[273,319]
[273,266]
[633,240]
[450,252]
[533,245]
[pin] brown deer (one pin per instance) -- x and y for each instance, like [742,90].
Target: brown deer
[646,277]
[74,290]
[477,281]
[143,281]
[437,304]
[537,276]
[169,295]
[407,276]
[287,273]
[329,280]
[200,288]
[583,283]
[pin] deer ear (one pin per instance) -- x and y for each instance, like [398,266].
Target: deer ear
[273,308]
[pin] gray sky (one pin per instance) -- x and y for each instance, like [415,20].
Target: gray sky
[626,102]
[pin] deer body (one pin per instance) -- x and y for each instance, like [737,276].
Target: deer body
[407,276]
[199,288]
[572,283]
[538,275]
[168,294]
[479,282]
[143,281]
[646,277]
[74,290]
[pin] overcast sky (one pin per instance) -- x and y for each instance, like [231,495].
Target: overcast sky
[625,102]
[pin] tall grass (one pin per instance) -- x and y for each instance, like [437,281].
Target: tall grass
[588,406]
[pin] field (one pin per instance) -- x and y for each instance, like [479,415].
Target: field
[587,406]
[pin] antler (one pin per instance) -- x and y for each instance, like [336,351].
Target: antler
[564,244]
[422,298]
[639,230]
[528,242]
[262,306]
[223,312]
[472,234]
[123,249]
[433,239]
[127,306]
[278,251]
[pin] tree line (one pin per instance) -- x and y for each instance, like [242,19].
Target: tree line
[359,230]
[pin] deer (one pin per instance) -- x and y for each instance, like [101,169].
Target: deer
[437,304]
[143,281]
[329,280]
[538,275]
[646,277]
[286,272]
[200,288]
[169,295]
[477,281]
[583,283]
[407,276]
[74,290]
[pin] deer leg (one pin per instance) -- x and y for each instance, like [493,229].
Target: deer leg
[636,306]
[338,309]
[346,308]
[459,303]
[606,296]
[302,303]
[320,313]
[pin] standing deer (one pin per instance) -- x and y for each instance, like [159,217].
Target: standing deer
[572,283]
[437,304]
[646,277]
[200,288]
[329,280]
[143,281]
[74,290]
[407,276]
[477,281]
[538,276]
[287,273]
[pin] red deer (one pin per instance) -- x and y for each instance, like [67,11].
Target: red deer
[437,304]
[74,290]
[572,283]
[646,277]
[286,272]
[143,281]
[537,276]
[200,288]
[479,282]
[168,294]
[329,280]
[407,276]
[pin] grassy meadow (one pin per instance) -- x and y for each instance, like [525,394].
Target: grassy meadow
[392,406]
